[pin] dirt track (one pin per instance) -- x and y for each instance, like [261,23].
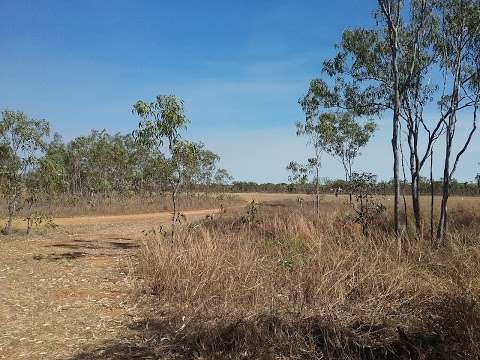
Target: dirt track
[157,218]
[68,290]
[164,217]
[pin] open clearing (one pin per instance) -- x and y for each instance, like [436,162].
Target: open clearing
[69,290]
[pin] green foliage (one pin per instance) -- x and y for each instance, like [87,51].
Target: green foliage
[22,141]
[251,214]
[286,263]
[299,173]
[104,163]
[222,177]
[162,118]
[366,209]
[32,169]
[329,128]
[37,219]
[185,162]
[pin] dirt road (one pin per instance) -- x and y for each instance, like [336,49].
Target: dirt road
[68,290]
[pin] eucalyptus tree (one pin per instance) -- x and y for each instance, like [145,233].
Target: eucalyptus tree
[180,170]
[458,48]
[112,157]
[208,174]
[98,162]
[418,61]
[349,137]
[343,137]
[389,68]
[52,176]
[319,131]
[363,85]
[49,179]
[207,165]
[21,142]
[222,178]
[396,65]
[299,173]
[161,121]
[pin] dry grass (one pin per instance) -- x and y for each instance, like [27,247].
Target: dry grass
[287,285]
[121,204]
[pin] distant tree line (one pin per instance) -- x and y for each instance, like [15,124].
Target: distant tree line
[103,163]
[35,166]
[340,186]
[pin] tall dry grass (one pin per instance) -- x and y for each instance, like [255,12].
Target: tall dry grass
[288,285]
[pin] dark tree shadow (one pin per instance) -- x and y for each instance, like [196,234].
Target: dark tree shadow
[123,245]
[76,246]
[118,351]
[266,337]
[63,256]
[121,238]
[274,205]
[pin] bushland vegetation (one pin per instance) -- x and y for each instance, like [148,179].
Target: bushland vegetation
[284,283]
[41,175]
[371,275]
[365,277]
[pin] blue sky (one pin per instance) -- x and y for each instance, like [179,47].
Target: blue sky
[240,66]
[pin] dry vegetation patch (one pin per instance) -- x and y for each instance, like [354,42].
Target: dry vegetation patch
[282,283]
[264,281]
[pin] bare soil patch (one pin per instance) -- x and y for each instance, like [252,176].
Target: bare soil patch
[69,289]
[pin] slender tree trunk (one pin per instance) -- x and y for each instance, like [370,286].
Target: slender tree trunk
[12,207]
[317,192]
[416,203]
[404,186]
[174,214]
[348,178]
[396,172]
[450,129]
[395,134]
[8,226]
[449,134]
[442,223]
[415,176]
[30,217]
[432,194]
[29,226]
[391,11]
